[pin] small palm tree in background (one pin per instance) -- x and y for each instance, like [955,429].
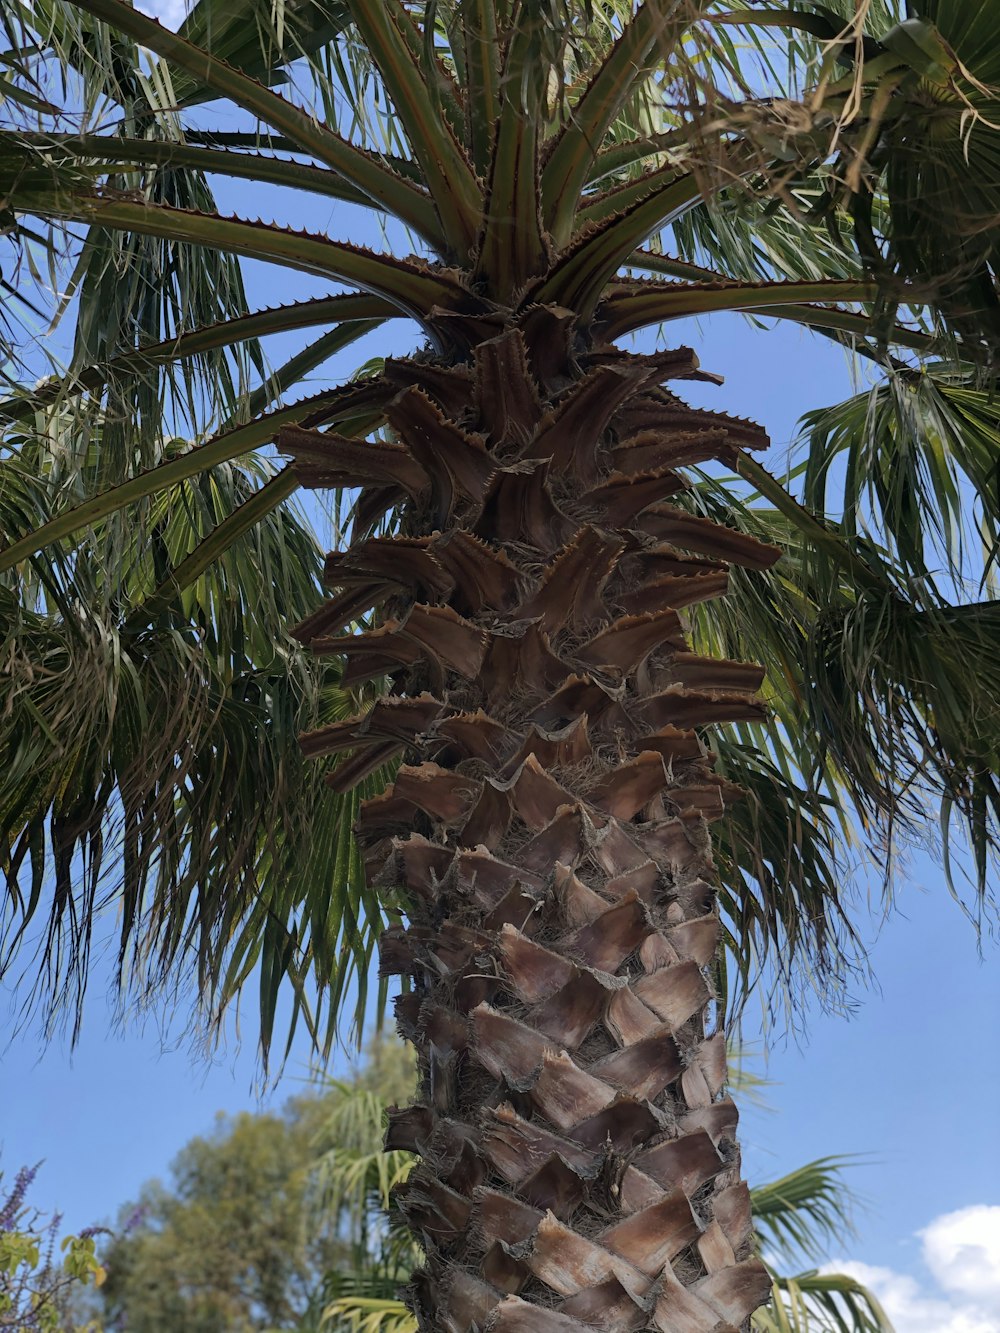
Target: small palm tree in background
[526,590]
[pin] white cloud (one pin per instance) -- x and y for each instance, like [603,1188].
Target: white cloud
[910,1308]
[961,1252]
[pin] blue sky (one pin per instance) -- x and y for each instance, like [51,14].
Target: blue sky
[911,1080]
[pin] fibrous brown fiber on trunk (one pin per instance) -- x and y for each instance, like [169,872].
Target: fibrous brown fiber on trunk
[548,829]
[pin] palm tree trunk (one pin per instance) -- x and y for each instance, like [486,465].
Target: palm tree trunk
[547,836]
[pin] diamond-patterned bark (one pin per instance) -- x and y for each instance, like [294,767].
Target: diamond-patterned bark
[549,829]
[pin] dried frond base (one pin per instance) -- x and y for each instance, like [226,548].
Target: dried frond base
[549,835]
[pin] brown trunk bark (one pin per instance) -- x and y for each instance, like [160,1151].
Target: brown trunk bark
[548,832]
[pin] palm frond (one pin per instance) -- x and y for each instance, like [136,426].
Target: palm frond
[354,1180]
[129,288]
[356,1174]
[873,678]
[902,460]
[152,786]
[807,1214]
[900,139]
[817,1302]
[134,289]
[354,1311]
[785,871]
[941,157]
[260,39]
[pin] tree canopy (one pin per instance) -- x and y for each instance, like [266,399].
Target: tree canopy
[151,584]
[224,1244]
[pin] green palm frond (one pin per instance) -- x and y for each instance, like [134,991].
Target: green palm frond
[902,461]
[900,179]
[941,160]
[256,37]
[260,39]
[128,288]
[814,1302]
[873,679]
[152,786]
[784,860]
[807,1214]
[355,1312]
[132,290]
[356,1174]
[929,732]
[877,655]
[354,1180]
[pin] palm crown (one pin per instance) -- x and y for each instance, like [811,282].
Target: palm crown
[567,176]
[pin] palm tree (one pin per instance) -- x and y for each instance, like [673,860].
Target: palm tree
[804,1215]
[522,558]
[152,732]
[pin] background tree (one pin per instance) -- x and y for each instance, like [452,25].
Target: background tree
[224,1244]
[246,1235]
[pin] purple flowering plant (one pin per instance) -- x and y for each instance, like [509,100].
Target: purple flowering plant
[37,1284]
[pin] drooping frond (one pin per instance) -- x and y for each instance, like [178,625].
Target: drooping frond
[821,1302]
[152,792]
[807,1214]
[881,689]
[903,461]
[902,110]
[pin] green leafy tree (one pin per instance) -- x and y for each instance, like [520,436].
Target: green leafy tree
[246,1234]
[223,1245]
[802,1217]
[525,586]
